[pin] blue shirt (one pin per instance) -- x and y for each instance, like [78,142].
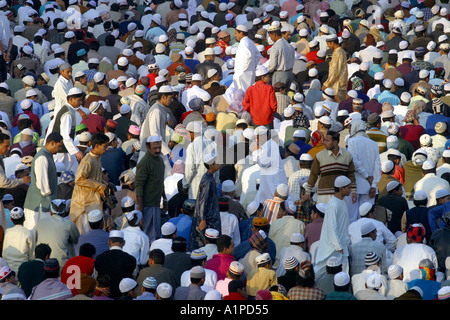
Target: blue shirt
[245,228]
[431,122]
[374,69]
[183,223]
[430,288]
[436,213]
[241,250]
[98,238]
[38,109]
[304,147]
[113,160]
[387,96]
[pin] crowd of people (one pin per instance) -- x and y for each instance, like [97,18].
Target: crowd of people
[224,150]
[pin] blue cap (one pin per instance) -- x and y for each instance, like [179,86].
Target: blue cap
[81,52]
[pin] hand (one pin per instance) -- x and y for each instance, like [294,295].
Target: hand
[202,225]
[372,192]
[354,197]
[82,113]
[370,179]
[8,56]
[341,251]
[27,179]
[79,155]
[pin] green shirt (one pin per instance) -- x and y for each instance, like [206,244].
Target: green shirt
[150,179]
[335,295]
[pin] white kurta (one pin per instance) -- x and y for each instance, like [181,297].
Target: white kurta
[230,226]
[247,58]
[291,251]
[210,280]
[60,90]
[430,183]
[409,257]
[272,171]
[136,244]
[164,244]
[334,236]
[18,246]
[384,235]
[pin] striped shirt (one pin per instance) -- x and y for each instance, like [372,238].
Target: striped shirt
[379,137]
[296,181]
[329,166]
[300,293]
[271,207]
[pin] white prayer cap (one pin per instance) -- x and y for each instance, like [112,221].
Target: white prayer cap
[392,185]
[194,126]
[95,215]
[425,140]
[420,195]
[288,112]
[197,77]
[334,261]
[26,104]
[212,233]
[296,238]
[364,66]
[342,181]
[319,110]
[122,61]
[341,279]
[209,158]
[154,138]
[228,186]
[113,84]
[248,133]
[446,153]
[132,214]
[252,207]
[116,234]
[16,213]
[211,72]
[157,18]
[365,208]
[313,72]
[261,70]
[428,165]
[290,263]
[260,130]
[69,35]
[139,34]
[367,228]
[127,284]
[4,85]
[126,202]
[379,76]
[27,49]
[165,89]
[441,193]
[99,76]
[373,281]
[303,33]
[160,48]
[283,190]
[325,120]
[299,134]
[394,271]
[262,258]
[168,228]
[130,82]
[164,290]
[423,73]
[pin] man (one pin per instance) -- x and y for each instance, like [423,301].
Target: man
[156,119]
[220,263]
[430,183]
[89,185]
[357,251]
[334,160]
[281,58]
[209,64]
[64,122]
[260,99]
[51,288]
[136,241]
[63,86]
[207,212]
[60,234]
[193,291]
[156,269]
[115,262]
[31,273]
[96,236]
[6,182]
[409,255]
[150,187]
[168,233]
[334,238]
[338,74]
[44,181]
[367,164]
[246,60]
[19,242]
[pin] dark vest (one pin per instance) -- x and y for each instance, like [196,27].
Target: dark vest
[57,126]
[34,197]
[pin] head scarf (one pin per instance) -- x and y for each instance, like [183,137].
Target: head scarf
[357,84]
[258,243]
[358,129]
[316,138]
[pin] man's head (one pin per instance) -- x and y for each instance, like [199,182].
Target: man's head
[54,142]
[225,244]
[331,140]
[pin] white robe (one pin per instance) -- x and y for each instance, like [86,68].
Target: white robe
[334,235]
[60,90]
[272,171]
[247,58]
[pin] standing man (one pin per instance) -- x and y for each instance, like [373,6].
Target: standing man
[281,58]
[64,122]
[338,72]
[334,238]
[206,213]
[246,60]
[89,185]
[365,153]
[5,182]
[150,187]
[329,164]
[44,181]
[63,85]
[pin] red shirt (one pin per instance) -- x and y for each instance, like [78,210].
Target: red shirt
[85,264]
[152,77]
[234,296]
[220,263]
[260,101]
[94,123]
[33,117]
[412,134]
